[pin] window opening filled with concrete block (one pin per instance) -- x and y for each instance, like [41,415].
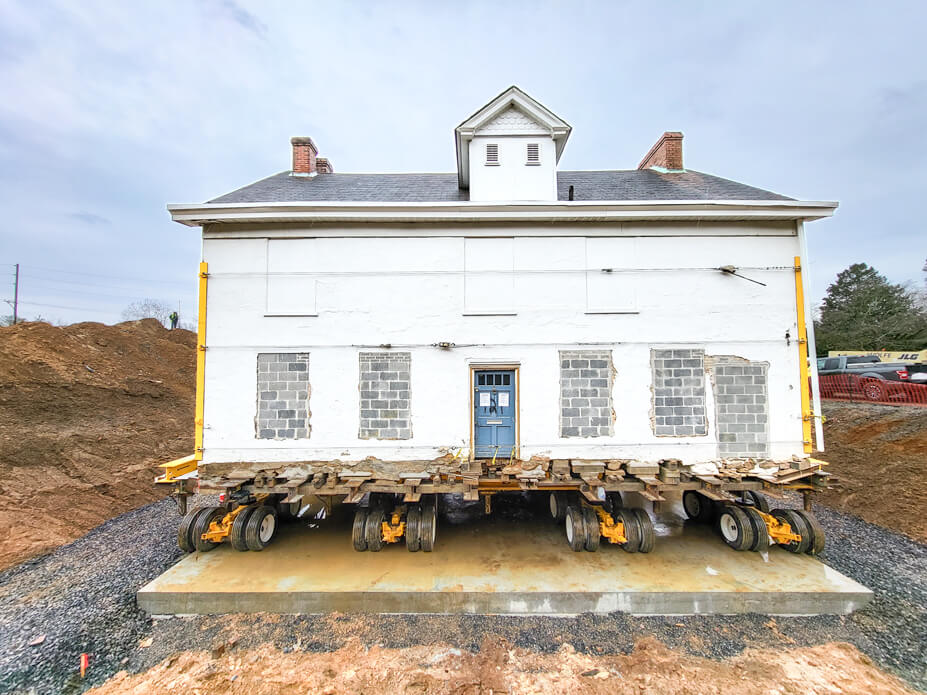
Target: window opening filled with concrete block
[742,407]
[385,395]
[679,392]
[586,378]
[282,396]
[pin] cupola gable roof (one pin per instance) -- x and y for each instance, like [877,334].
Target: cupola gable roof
[513,112]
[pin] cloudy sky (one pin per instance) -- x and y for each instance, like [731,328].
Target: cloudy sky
[111,110]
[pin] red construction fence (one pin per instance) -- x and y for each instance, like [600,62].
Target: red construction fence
[849,387]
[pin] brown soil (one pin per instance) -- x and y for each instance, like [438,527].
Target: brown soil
[86,412]
[497,668]
[878,455]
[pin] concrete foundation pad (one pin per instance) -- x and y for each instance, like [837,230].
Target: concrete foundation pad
[499,566]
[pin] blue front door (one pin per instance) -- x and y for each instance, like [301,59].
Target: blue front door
[494,413]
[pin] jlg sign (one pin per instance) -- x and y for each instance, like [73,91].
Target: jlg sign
[885,356]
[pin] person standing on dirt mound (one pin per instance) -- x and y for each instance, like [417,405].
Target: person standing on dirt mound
[174,317]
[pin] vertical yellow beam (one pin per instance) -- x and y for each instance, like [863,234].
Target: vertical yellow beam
[806,415]
[200,365]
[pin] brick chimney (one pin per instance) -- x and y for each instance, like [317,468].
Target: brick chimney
[323,166]
[304,156]
[665,154]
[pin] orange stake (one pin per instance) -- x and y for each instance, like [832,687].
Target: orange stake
[84,663]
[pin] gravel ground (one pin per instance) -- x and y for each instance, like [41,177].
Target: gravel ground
[82,598]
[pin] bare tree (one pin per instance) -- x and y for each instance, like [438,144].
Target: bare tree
[7,319]
[147,309]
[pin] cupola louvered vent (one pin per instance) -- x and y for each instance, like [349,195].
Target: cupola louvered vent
[534,153]
[492,153]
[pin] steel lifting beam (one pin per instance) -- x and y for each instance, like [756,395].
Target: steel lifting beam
[173,470]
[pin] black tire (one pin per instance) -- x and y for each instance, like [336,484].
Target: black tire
[429,527]
[261,527]
[373,529]
[185,530]
[201,526]
[755,499]
[798,526]
[613,502]
[760,532]
[414,529]
[736,528]
[575,528]
[237,534]
[648,537]
[591,535]
[698,507]
[632,530]
[558,505]
[818,539]
[359,530]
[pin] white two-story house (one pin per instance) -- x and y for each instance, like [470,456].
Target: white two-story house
[382,326]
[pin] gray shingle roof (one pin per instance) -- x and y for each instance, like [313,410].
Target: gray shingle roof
[631,184]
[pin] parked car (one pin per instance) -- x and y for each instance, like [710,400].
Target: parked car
[866,375]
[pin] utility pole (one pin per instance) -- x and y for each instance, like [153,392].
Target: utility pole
[16,296]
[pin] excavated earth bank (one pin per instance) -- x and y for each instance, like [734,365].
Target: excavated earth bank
[86,412]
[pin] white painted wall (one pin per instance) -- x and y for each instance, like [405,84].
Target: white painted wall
[512,179]
[407,287]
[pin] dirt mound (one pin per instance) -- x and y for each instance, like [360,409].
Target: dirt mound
[878,453]
[86,411]
[497,668]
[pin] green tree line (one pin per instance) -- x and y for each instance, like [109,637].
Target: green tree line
[862,310]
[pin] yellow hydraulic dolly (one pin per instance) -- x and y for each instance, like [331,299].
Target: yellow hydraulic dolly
[586,524]
[249,526]
[374,527]
[748,524]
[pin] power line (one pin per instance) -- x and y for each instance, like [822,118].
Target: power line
[105,277]
[55,290]
[74,308]
[79,283]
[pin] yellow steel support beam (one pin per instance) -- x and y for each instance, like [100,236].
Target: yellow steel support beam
[807,415]
[200,364]
[176,468]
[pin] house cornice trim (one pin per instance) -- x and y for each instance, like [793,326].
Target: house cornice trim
[195,215]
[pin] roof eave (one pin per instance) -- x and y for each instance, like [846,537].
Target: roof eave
[195,215]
